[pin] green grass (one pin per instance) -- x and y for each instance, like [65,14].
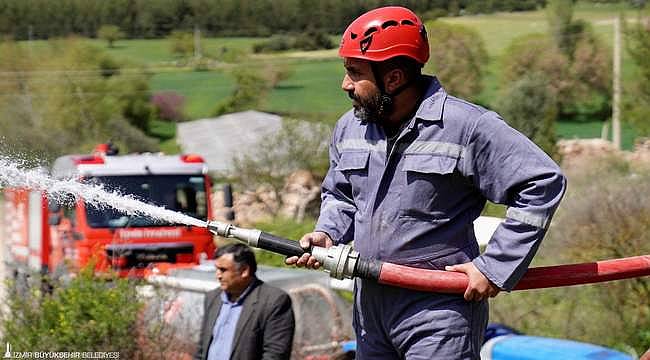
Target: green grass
[314,87]
[592,129]
[202,89]
[166,132]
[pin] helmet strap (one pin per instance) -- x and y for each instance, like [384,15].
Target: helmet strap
[386,102]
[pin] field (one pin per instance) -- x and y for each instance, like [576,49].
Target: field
[313,90]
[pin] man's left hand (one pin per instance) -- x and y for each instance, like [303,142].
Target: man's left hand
[479,287]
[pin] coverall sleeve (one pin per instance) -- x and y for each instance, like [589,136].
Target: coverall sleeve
[510,169]
[337,207]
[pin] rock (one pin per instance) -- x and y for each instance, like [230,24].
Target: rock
[300,192]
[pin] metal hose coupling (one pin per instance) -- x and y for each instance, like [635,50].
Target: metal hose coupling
[340,261]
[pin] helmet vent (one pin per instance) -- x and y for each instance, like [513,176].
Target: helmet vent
[407,22]
[353,36]
[389,23]
[370,31]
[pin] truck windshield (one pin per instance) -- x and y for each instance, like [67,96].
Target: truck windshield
[183,193]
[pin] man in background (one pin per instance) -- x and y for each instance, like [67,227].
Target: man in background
[245,318]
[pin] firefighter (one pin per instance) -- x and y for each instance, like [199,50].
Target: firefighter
[411,168]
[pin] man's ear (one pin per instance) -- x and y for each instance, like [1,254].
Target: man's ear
[393,79]
[245,271]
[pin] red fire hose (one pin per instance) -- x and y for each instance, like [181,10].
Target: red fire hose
[535,278]
[342,261]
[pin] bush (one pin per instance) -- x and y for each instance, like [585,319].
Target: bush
[169,105]
[182,43]
[250,89]
[530,107]
[637,103]
[605,214]
[309,40]
[87,314]
[110,33]
[458,58]
[299,145]
[522,57]
[274,44]
[313,40]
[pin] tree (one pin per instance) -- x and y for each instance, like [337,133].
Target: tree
[589,94]
[300,145]
[458,58]
[182,43]
[522,57]
[529,106]
[72,103]
[250,89]
[637,105]
[559,14]
[110,33]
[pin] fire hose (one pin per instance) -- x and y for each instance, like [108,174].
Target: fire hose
[342,261]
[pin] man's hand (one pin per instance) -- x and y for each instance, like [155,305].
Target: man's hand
[479,287]
[316,238]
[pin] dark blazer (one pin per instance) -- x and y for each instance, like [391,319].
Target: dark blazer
[265,327]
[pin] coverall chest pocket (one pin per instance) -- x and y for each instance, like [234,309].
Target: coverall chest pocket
[354,167]
[427,181]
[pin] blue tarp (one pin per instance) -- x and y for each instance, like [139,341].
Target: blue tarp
[539,348]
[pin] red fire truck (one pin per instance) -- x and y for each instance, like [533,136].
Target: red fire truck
[48,237]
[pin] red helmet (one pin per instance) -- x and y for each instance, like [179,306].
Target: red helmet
[384,33]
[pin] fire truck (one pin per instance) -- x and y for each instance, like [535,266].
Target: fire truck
[58,238]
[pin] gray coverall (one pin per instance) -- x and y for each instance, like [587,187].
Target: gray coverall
[415,206]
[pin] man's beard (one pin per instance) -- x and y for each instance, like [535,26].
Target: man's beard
[374,109]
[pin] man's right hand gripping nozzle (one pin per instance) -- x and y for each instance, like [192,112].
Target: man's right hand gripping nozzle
[316,238]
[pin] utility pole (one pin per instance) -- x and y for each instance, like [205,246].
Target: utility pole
[616,101]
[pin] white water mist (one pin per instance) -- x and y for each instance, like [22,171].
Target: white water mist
[12,175]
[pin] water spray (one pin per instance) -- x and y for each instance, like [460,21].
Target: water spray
[342,261]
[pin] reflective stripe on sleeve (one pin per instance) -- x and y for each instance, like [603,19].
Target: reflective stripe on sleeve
[525,217]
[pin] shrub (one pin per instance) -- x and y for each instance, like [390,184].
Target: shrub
[169,105]
[182,43]
[522,57]
[110,33]
[309,40]
[638,102]
[299,145]
[87,314]
[605,214]
[250,89]
[530,107]
[458,58]
[313,40]
[274,44]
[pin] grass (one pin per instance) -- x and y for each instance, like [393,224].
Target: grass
[202,89]
[592,129]
[155,51]
[166,132]
[314,87]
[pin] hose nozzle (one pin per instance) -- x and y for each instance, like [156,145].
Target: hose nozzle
[249,236]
